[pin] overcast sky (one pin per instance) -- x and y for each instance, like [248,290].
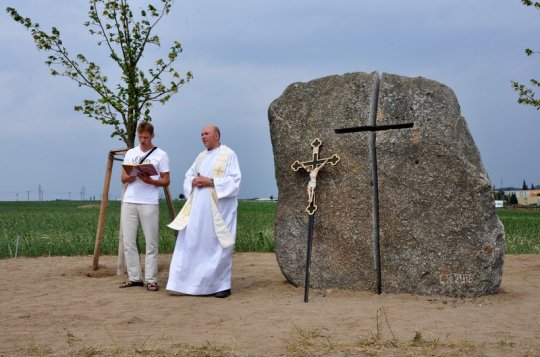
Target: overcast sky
[243,54]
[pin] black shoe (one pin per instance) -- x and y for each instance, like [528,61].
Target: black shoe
[223,294]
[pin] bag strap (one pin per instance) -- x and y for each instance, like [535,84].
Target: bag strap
[145,156]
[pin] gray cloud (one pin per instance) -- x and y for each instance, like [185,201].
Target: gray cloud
[243,55]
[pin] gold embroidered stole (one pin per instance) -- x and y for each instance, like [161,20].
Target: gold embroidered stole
[222,231]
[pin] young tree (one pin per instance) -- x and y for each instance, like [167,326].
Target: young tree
[125,36]
[524,187]
[513,199]
[527,94]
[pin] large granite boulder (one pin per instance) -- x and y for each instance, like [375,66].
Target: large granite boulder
[439,233]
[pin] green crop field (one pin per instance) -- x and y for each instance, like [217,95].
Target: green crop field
[68,228]
[522,230]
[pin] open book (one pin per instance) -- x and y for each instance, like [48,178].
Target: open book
[134,169]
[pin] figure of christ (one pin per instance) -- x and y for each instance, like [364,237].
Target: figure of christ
[312,184]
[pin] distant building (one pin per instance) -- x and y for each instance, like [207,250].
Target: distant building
[525,197]
[266,199]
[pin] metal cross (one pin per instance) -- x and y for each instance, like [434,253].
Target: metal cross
[373,128]
[312,167]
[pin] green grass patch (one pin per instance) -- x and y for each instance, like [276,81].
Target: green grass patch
[69,228]
[522,229]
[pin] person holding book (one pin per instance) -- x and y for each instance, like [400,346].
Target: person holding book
[140,204]
[202,260]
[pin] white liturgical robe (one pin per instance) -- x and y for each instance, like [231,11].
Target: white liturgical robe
[202,263]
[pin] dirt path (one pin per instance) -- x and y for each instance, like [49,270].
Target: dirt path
[59,307]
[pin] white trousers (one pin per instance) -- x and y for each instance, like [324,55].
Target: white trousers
[130,216]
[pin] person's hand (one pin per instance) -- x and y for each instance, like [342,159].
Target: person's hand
[201,182]
[145,178]
[126,179]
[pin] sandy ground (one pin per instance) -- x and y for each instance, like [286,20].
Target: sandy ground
[59,307]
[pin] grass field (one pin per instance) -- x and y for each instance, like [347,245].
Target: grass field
[69,228]
[522,230]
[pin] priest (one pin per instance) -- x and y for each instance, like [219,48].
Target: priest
[202,258]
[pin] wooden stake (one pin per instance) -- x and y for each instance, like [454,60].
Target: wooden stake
[169,202]
[103,209]
[121,268]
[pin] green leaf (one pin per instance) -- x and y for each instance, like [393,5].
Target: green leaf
[125,37]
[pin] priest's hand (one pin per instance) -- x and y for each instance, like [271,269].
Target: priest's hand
[202,181]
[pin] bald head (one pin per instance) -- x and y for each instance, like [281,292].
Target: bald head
[210,136]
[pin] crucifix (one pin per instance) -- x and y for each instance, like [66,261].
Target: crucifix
[372,128]
[313,167]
